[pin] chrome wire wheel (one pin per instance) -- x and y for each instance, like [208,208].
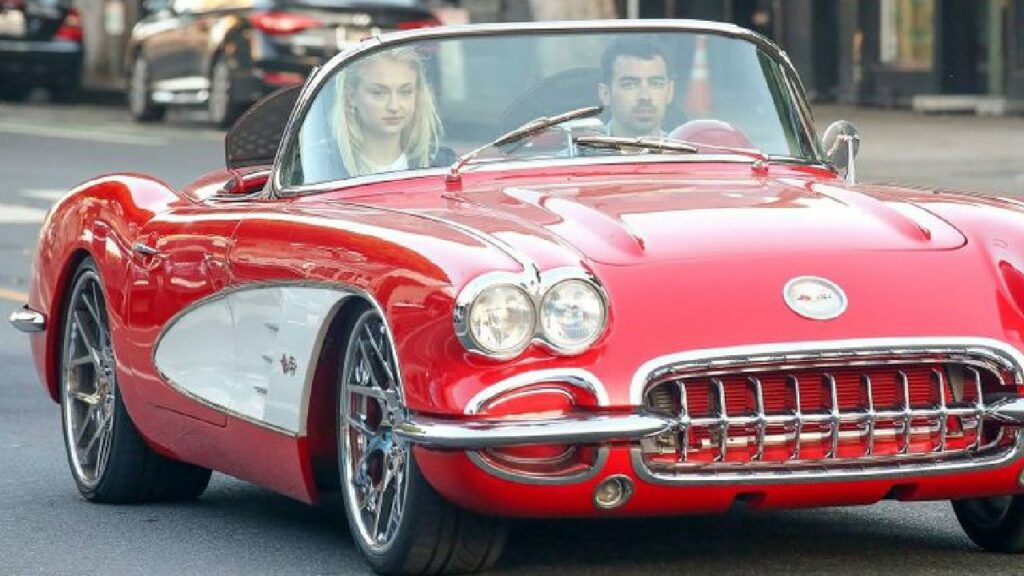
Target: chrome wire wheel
[374,463]
[88,381]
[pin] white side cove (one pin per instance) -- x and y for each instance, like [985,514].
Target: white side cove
[251,352]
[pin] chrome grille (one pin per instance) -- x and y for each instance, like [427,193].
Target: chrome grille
[846,408]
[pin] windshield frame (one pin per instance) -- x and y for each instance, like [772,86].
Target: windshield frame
[321,75]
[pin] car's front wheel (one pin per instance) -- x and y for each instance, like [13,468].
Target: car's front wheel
[996,524]
[400,523]
[109,460]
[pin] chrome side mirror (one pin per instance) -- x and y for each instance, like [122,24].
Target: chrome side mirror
[842,142]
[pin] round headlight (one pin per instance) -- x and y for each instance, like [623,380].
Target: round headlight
[572,314]
[502,320]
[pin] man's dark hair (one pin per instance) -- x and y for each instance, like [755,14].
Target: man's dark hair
[635,46]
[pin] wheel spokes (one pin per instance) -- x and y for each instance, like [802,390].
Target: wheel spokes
[89,385]
[369,391]
[91,348]
[384,363]
[376,463]
[360,426]
[97,434]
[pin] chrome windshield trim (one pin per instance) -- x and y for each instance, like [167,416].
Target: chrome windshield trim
[316,80]
[531,164]
[480,434]
[27,320]
[1004,354]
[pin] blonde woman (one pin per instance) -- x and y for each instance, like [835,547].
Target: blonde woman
[385,118]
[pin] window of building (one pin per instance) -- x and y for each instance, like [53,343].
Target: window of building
[907,33]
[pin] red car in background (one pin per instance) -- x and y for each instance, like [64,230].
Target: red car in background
[595,269]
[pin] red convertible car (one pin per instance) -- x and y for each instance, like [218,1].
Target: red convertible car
[594,269]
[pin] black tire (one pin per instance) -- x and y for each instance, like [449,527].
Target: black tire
[222,106]
[140,95]
[431,535]
[995,524]
[130,472]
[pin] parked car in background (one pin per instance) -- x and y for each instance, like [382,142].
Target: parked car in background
[40,45]
[226,54]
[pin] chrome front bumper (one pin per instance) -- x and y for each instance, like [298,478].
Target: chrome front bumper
[482,434]
[27,320]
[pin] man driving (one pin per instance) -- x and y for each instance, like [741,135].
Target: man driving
[636,87]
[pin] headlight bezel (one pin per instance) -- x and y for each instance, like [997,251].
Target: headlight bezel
[536,289]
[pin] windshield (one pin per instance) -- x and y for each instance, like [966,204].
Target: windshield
[422,104]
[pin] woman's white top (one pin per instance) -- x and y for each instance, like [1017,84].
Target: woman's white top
[400,163]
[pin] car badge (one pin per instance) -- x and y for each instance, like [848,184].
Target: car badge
[815,298]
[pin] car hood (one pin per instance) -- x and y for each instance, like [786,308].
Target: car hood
[651,219]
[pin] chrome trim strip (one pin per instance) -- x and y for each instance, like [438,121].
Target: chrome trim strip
[1007,356]
[527,478]
[829,471]
[576,377]
[317,347]
[480,434]
[793,83]
[27,320]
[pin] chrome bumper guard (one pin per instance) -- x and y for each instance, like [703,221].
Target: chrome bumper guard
[483,434]
[28,320]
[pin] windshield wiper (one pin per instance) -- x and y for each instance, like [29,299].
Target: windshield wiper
[667,144]
[644,142]
[525,131]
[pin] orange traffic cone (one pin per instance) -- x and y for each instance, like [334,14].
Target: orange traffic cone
[698,95]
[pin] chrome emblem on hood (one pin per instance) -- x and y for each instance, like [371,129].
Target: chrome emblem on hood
[815,298]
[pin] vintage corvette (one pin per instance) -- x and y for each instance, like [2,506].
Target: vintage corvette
[562,319]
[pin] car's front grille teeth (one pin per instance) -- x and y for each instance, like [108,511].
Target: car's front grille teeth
[822,415]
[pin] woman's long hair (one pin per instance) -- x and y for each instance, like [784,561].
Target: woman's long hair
[420,139]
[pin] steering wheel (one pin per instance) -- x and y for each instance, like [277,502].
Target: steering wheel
[711,133]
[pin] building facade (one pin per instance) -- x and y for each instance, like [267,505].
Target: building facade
[942,54]
[939,54]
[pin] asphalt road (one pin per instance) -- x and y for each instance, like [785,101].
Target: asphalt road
[46,528]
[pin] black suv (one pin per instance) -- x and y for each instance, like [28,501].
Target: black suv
[40,45]
[226,54]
